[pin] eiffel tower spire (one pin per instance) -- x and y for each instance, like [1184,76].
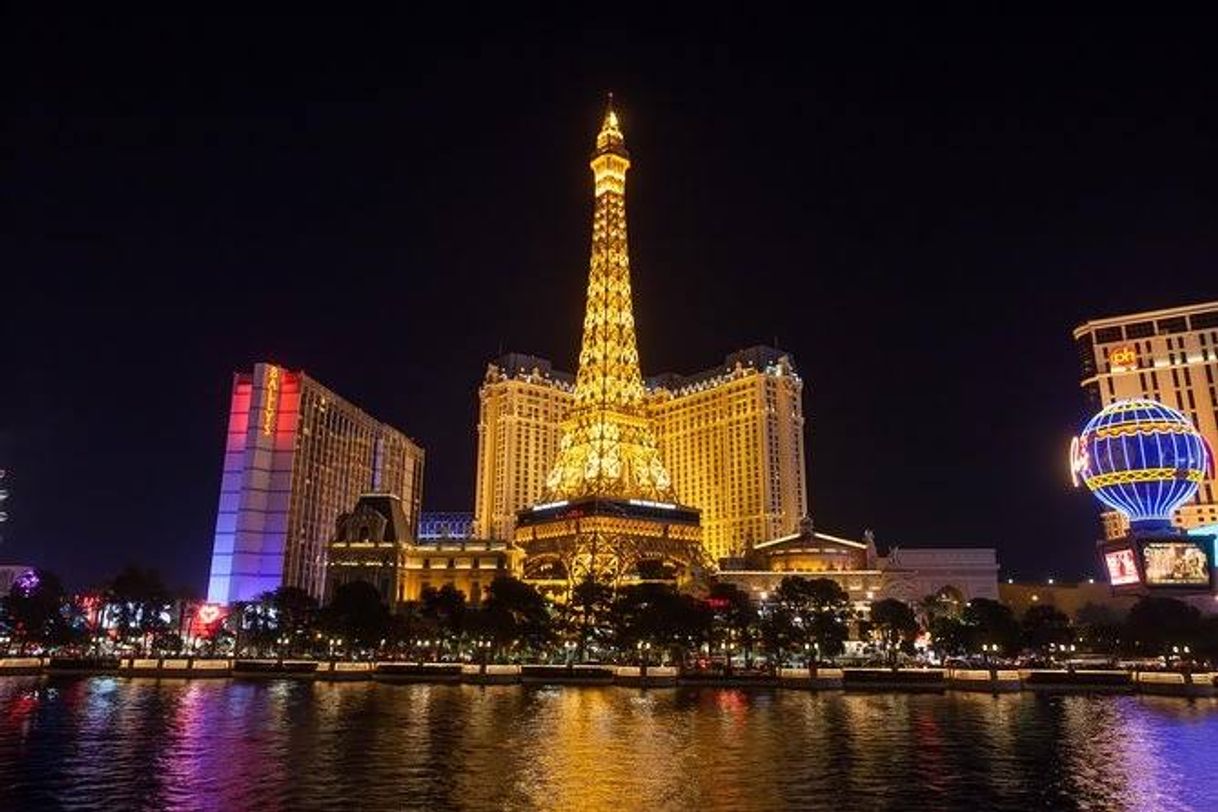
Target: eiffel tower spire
[608,447]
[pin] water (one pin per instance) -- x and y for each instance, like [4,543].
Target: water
[117,744]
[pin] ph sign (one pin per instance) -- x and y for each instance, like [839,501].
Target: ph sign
[1122,358]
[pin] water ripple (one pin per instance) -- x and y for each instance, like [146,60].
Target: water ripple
[107,743]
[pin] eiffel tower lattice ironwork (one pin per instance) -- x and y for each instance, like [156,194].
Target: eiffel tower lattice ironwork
[607,446]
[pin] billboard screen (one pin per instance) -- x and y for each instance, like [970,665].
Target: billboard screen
[1175,563]
[1122,567]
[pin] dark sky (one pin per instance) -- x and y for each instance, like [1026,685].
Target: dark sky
[920,210]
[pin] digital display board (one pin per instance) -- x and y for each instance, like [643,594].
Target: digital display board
[1175,563]
[1122,567]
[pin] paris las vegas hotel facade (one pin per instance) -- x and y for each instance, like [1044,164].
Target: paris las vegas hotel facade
[598,471]
[731,439]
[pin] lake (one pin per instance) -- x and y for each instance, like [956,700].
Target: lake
[226,744]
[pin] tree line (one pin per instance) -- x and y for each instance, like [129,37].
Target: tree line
[805,622]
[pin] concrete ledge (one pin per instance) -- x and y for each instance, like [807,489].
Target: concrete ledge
[729,680]
[1175,683]
[823,679]
[82,665]
[566,675]
[1080,680]
[417,672]
[274,668]
[656,676]
[886,679]
[342,671]
[21,666]
[984,680]
[492,674]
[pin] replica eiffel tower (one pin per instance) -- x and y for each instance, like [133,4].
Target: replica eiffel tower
[608,510]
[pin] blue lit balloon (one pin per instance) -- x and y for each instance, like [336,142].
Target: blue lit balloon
[1141,458]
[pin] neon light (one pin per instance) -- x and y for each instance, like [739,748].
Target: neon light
[1140,458]
[1122,358]
[548,505]
[1078,461]
[270,401]
[208,613]
[27,582]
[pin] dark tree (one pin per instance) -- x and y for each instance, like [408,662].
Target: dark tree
[285,613]
[1045,626]
[895,625]
[138,601]
[949,635]
[356,615]
[1100,628]
[1205,641]
[991,623]
[445,608]
[35,611]
[821,612]
[656,616]
[733,617]
[1155,625]
[586,617]
[515,612]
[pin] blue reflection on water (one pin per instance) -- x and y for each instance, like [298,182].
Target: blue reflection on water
[107,743]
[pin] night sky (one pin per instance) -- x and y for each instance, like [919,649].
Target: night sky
[920,210]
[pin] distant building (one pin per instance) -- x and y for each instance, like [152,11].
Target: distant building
[8,574]
[468,565]
[374,543]
[371,544]
[521,403]
[1067,598]
[1166,355]
[912,573]
[733,439]
[445,525]
[297,456]
[906,573]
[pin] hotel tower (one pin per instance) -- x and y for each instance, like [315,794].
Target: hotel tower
[1166,355]
[297,456]
[728,441]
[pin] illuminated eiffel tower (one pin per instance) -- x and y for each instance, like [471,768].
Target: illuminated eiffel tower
[608,509]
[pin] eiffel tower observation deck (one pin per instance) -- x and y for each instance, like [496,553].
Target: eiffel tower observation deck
[608,510]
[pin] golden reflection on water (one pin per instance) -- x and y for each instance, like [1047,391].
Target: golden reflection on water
[235,745]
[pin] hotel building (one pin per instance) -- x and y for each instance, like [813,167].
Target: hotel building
[297,456]
[732,438]
[521,403]
[376,543]
[1166,355]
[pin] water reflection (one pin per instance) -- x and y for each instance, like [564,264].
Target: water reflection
[221,745]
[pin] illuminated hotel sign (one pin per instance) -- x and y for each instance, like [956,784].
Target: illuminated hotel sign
[1122,568]
[270,401]
[548,505]
[1122,358]
[651,504]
